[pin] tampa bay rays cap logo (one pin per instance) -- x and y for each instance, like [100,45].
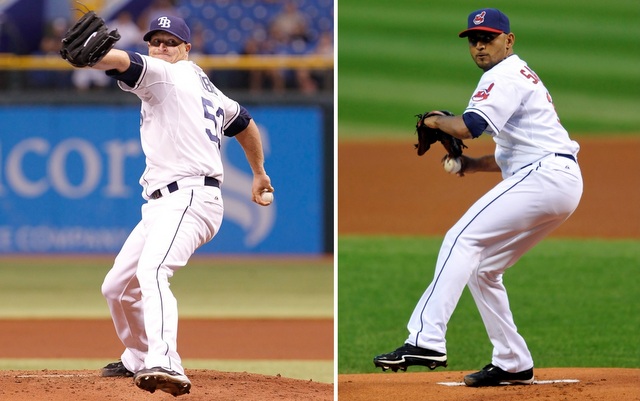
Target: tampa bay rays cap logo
[171,24]
[479,18]
[164,22]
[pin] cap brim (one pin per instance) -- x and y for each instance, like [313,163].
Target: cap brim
[147,36]
[465,33]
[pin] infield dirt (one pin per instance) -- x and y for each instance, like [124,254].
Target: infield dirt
[385,188]
[279,339]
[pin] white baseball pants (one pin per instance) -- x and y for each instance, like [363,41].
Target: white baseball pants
[491,236]
[143,308]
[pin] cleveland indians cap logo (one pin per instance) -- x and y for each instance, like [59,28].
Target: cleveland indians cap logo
[479,18]
[164,22]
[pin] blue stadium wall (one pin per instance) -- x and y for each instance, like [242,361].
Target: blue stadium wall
[69,181]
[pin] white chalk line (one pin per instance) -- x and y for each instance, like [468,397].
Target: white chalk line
[556,381]
[452,384]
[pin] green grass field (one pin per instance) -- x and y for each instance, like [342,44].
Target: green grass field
[67,287]
[575,302]
[397,59]
[62,287]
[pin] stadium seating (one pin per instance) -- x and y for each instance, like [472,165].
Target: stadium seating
[227,24]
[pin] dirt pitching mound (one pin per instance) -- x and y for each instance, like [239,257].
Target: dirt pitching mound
[80,385]
[557,384]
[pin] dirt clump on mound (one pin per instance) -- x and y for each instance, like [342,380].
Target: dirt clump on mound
[81,385]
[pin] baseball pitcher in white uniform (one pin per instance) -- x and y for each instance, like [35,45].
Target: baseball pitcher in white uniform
[541,188]
[183,117]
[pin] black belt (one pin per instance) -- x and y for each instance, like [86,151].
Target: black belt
[568,156]
[173,187]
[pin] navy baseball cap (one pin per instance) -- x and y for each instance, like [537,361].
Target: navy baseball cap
[173,25]
[487,19]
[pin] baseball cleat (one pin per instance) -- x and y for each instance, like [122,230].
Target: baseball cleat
[162,379]
[116,369]
[410,355]
[492,375]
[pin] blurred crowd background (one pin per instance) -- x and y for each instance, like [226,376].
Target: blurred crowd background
[218,28]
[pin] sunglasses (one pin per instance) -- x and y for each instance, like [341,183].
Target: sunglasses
[171,42]
[484,37]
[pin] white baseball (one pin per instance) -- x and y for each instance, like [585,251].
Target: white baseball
[267,197]
[452,165]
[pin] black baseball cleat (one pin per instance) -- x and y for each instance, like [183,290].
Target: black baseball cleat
[162,379]
[409,355]
[116,369]
[492,375]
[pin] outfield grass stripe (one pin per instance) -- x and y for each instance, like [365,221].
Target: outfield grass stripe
[400,57]
[563,29]
[562,72]
[406,90]
[70,287]
[354,15]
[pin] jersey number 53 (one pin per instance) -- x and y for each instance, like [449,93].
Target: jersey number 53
[215,115]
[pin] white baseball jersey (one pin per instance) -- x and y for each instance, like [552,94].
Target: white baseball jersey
[183,117]
[175,146]
[520,115]
[542,187]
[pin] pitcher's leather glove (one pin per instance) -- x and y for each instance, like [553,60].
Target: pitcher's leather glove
[87,41]
[428,136]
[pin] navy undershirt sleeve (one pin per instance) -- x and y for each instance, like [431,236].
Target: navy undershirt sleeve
[239,124]
[475,124]
[132,74]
